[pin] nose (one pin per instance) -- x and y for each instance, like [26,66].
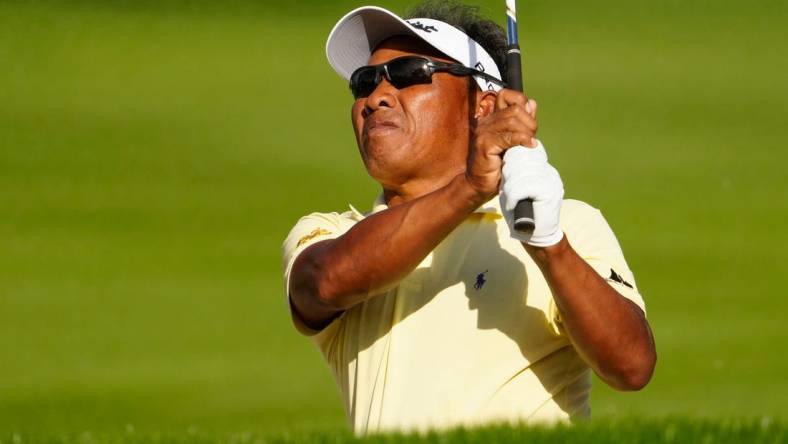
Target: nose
[384,96]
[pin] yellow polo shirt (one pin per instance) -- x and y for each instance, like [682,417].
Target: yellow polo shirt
[471,336]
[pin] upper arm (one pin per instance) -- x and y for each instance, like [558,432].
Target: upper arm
[303,241]
[307,304]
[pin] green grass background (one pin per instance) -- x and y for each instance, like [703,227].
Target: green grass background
[154,154]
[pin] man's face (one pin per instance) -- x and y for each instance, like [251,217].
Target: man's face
[418,133]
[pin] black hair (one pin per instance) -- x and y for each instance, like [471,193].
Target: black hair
[469,20]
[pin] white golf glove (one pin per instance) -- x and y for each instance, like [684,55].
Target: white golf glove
[527,175]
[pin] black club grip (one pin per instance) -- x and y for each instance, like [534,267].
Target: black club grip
[524,211]
[524,216]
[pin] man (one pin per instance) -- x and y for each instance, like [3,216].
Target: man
[430,310]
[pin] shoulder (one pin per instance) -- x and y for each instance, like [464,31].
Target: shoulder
[577,215]
[578,209]
[315,227]
[328,220]
[307,231]
[586,227]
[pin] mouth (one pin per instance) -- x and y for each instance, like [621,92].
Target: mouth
[376,125]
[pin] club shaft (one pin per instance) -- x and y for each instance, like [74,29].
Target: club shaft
[511,22]
[524,210]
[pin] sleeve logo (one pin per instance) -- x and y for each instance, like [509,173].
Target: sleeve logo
[315,233]
[615,277]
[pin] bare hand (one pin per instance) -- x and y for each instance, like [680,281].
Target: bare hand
[512,122]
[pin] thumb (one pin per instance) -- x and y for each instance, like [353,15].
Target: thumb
[531,106]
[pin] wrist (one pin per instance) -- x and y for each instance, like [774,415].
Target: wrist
[543,256]
[465,189]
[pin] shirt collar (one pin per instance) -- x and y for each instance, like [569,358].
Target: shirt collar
[492,206]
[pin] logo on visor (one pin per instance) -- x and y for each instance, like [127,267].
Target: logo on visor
[480,67]
[421,26]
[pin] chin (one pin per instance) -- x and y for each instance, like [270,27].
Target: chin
[383,150]
[386,166]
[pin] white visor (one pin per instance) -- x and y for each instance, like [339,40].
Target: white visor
[358,33]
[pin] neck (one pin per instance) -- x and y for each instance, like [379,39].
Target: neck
[413,189]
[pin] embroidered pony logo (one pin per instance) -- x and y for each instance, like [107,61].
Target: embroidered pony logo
[480,280]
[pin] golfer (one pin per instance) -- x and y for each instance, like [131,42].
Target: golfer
[429,309]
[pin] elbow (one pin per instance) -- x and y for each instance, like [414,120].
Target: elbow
[638,365]
[327,296]
[312,285]
[638,373]
[635,382]
[329,290]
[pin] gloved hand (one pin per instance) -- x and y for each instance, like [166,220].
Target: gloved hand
[527,175]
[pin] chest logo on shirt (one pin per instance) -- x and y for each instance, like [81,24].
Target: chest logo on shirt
[480,280]
[315,233]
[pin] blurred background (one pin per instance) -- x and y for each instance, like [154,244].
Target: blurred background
[154,154]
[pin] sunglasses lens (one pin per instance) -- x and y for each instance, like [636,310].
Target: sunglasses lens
[363,81]
[402,72]
[409,71]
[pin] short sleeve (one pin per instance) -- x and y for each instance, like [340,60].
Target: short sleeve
[592,238]
[309,230]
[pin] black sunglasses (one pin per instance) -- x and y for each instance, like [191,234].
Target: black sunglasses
[406,71]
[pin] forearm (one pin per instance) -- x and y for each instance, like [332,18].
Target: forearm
[378,251]
[610,332]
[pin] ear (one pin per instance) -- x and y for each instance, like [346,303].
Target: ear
[485,103]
